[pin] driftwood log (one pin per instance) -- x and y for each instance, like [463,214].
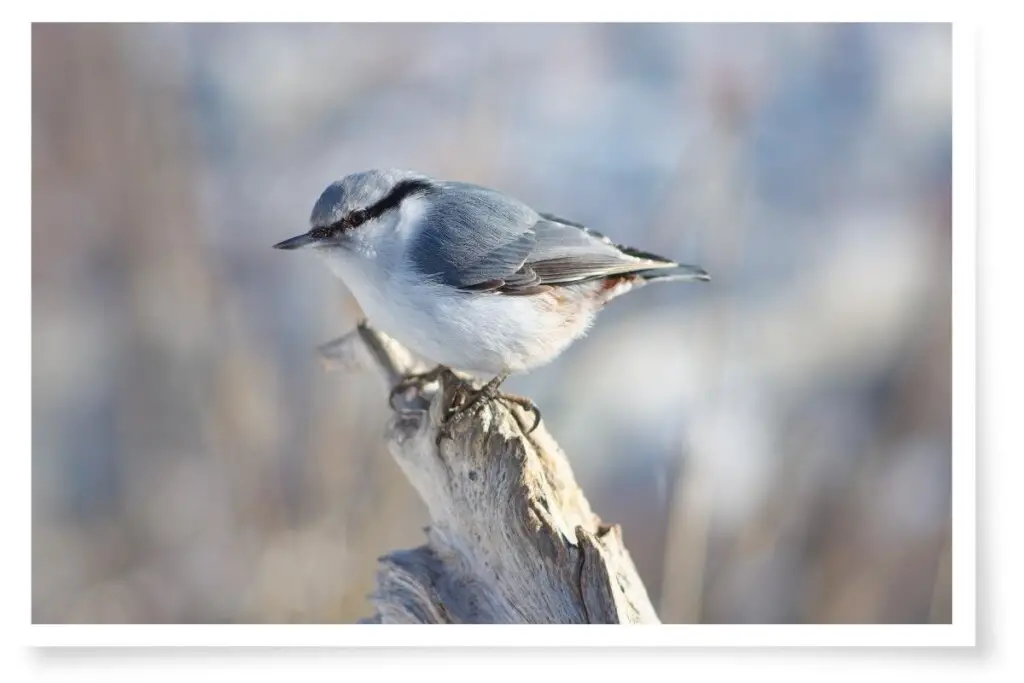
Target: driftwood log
[512,538]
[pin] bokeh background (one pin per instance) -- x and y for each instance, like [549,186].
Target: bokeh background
[775,444]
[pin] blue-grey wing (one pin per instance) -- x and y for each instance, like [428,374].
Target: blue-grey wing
[473,236]
[480,240]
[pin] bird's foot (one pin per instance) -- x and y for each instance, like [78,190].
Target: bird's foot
[524,403]
[473,402]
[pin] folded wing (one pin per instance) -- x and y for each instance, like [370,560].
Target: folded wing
[480,240]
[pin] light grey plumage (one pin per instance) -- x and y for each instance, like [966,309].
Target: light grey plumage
[467,276]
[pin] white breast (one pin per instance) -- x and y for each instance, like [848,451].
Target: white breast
[480,333]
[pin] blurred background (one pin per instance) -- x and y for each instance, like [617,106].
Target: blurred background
[775,444]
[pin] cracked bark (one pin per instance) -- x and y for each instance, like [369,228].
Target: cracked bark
[512,538]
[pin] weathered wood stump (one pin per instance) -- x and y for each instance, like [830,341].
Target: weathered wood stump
[512,538]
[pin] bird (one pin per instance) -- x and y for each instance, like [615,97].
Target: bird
[470,278]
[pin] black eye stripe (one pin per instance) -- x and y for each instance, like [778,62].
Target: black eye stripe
[322,232]
[391,200]
[398,194]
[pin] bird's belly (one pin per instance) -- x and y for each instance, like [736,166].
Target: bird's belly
[482,333]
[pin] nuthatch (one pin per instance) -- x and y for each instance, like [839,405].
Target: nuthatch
[470,278]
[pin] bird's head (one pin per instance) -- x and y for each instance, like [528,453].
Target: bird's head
[355,213]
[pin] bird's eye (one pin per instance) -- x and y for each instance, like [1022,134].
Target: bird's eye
[356,218]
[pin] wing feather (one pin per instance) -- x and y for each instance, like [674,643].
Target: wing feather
[477,239]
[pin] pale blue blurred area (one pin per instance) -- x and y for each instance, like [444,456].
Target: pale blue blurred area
[776,443]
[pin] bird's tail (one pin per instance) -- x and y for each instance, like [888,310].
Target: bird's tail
[615,286]
[678,272]
[666,269]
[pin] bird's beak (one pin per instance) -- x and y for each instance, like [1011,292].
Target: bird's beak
[296,242]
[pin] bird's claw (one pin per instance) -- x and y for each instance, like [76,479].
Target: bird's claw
[458,414]
[527,405]
[466,402]
[474,402]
